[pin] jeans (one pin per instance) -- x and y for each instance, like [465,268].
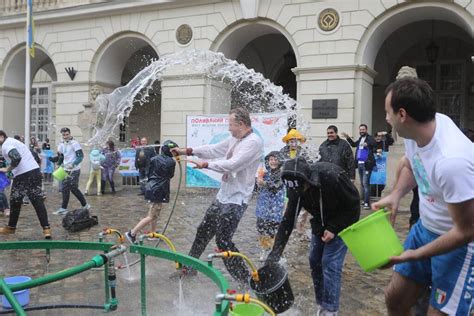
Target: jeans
[326,261]
[3,201]
[71,184]
[364,176]
[221,220]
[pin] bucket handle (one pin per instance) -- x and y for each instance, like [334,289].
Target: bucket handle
[383,211]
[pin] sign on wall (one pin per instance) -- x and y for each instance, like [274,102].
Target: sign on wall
[212,129]
[326,108]
[127,163]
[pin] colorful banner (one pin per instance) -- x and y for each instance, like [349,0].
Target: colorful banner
[47,166]
[127,163]
[212,129]
[30,25]
[379,174]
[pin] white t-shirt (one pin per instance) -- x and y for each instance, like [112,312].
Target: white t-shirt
[68,149]
[27,162]
[238,161]
[444,172]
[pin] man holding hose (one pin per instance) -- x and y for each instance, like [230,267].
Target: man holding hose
[237,158]
[439,250]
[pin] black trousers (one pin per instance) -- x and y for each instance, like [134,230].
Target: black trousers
[29,184]
[71,184]
[222,220]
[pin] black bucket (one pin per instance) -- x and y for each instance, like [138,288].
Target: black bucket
[274,287]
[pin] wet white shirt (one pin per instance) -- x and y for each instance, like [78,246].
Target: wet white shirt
[239,160]
[27,162]
[68,149]
[444,172]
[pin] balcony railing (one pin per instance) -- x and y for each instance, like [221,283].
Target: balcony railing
[12,7]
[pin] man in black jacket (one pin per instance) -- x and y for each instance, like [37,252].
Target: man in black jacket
[326,192]
[337,151]
[364,157]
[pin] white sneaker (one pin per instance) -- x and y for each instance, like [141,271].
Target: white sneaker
[61,211]
[86,193]
[86,207]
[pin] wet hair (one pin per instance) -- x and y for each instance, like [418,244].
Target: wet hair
[111,145]
[2,133]
[364,125]
[65,130]
[241,115]
[333,127]
[17,137]
[415,96]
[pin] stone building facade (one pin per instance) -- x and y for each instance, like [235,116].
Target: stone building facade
[347,51]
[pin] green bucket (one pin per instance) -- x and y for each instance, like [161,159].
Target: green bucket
[372,240]
[247,310]
[59,174]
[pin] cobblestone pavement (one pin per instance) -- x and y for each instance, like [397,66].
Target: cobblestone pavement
[362,293]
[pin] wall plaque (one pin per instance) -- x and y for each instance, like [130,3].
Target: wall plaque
[184,34]
[328,20]
[326,108]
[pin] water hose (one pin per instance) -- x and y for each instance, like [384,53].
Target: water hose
[228,254]
[245,298]
[178,159]
[57,306]
[161,237]
[110,231]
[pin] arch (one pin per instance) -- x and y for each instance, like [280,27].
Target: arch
[111,57]
[381,27]
[237,35]
[13,75]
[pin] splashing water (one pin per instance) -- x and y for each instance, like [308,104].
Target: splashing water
[127,266]
[181,303]
[247,86]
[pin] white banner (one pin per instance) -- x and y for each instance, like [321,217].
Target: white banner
[212,129]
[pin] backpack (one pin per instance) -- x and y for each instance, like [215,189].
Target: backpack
[78,220]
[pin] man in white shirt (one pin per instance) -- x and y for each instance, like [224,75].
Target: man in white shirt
[439,250]
[70,157]
[27,180]
[238,158]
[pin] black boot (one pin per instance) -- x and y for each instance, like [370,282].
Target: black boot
[102,186]
[112,185]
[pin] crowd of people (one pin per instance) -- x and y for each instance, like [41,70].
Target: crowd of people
[439,159]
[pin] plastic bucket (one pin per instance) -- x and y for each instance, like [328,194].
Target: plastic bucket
[59,174]
[274,288]
[23,296]
[247,310]
[372,241]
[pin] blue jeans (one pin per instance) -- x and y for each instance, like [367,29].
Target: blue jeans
[326,261]
[364,176]
[142,176]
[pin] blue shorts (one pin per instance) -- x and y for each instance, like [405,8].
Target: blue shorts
[450,275]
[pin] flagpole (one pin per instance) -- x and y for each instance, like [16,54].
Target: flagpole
[27,79]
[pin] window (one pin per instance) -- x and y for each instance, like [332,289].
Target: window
[39,112]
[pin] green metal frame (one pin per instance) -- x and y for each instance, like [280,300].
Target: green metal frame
[222,307]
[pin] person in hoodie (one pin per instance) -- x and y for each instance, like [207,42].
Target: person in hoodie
[95,158]
[326,192]
[270,202]
[157,189]
[109,164]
